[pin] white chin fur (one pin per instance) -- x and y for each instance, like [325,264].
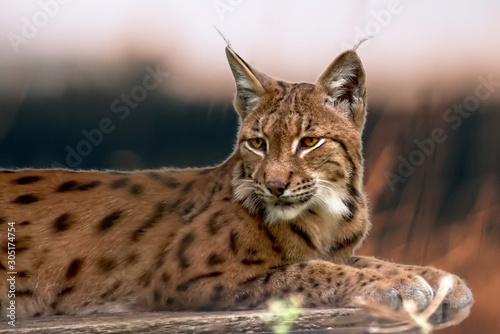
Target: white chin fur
[281,213]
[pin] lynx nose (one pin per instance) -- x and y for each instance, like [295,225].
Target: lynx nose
[277,188]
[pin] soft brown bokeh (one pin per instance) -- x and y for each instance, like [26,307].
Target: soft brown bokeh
[447,213]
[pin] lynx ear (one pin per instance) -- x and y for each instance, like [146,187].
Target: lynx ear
[249,84]
[343,83]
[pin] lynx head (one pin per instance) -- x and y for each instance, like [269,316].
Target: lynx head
[299,143]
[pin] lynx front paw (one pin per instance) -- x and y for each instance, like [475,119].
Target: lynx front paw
[456,304]
[392,291]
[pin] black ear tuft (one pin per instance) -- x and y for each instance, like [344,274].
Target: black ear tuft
[249,83]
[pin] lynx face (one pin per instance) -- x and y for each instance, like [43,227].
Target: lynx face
[294,141]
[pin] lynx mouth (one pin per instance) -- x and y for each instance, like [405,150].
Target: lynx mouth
[281,203]
[285,208]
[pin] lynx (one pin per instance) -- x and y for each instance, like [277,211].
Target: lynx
[282,216]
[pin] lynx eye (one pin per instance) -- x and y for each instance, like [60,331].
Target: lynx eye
[308,142]
[257,143]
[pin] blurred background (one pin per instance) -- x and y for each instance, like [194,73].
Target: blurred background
[145,84]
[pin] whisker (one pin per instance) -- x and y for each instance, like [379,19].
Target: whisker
[245,189]
[325,187]
[326,181]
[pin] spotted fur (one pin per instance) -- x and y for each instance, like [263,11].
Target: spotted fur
[282,216]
